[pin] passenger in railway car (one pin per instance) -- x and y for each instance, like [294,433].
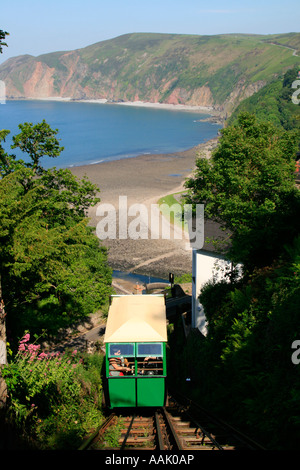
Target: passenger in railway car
[148,363]
[118,364]
[150,358]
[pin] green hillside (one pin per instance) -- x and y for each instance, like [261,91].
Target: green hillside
[219,70]
[189,62]
[273,103]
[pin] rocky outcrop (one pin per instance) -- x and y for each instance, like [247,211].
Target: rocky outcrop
[241,92]
[202,96]
[40,84]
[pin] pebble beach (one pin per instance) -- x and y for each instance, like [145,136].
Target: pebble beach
[144,180]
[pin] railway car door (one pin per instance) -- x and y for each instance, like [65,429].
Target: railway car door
[121,386]
[151,373]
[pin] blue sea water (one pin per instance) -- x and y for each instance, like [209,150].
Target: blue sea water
[140,278]
[92,133]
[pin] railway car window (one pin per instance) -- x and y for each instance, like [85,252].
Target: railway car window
[150,365]
[149,349]
[123,349]
[149,359]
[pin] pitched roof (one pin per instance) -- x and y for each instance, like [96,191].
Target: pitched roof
[135,318]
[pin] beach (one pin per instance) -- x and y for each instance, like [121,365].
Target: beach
[144,180]
[176,107]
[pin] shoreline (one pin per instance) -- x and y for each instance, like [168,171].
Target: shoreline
[145,104]
[144,180]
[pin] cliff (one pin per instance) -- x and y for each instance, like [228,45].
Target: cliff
[217,71]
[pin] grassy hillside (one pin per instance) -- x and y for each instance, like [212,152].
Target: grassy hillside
[274,103]
[217,71]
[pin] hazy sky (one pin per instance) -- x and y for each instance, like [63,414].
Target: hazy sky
[39,26]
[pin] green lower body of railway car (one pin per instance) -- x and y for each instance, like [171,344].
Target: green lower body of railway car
[122,392]
[150,391]
[136,391]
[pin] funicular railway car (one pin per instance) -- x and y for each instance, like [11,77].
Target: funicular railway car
[135,342]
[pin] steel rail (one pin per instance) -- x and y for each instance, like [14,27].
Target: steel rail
[179,442]
[172,429]
[205,432]
[159,433]
[128,432]
[100,429]
[235,433]
[168,436]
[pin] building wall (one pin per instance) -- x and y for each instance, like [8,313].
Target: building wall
[206,266]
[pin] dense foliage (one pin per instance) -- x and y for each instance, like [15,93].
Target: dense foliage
[54,398]
[248,186]
[247,369]
[53,269]
[2,37]
[273,103]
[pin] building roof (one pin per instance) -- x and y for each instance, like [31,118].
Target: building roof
[135,318]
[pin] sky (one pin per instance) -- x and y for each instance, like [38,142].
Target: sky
[38,26]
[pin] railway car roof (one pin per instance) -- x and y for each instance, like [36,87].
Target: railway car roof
[136,318]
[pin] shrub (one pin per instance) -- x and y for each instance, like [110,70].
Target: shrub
[54,398]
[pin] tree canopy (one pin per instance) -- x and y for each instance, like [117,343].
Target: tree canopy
[249,374]
[273,103]
[37,141]
[2,37]
[248,186]
[52,266]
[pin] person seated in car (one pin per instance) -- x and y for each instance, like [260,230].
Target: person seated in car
[149,365]
[118,365]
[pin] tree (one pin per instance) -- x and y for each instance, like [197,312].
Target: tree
[53,269]
[248,186]
[2,306]
[2,36]
[37,141]
[273,103]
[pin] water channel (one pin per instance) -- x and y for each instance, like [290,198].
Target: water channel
[137,278]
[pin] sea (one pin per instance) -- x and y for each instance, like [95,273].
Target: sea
[92,133]
[97,132]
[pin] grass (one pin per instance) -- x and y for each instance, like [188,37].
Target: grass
[171,207]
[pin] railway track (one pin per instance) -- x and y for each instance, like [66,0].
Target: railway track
[177,427]
[227,437]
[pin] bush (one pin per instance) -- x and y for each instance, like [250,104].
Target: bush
[55,398]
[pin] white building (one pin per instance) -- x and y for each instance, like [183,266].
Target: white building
[207,265]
